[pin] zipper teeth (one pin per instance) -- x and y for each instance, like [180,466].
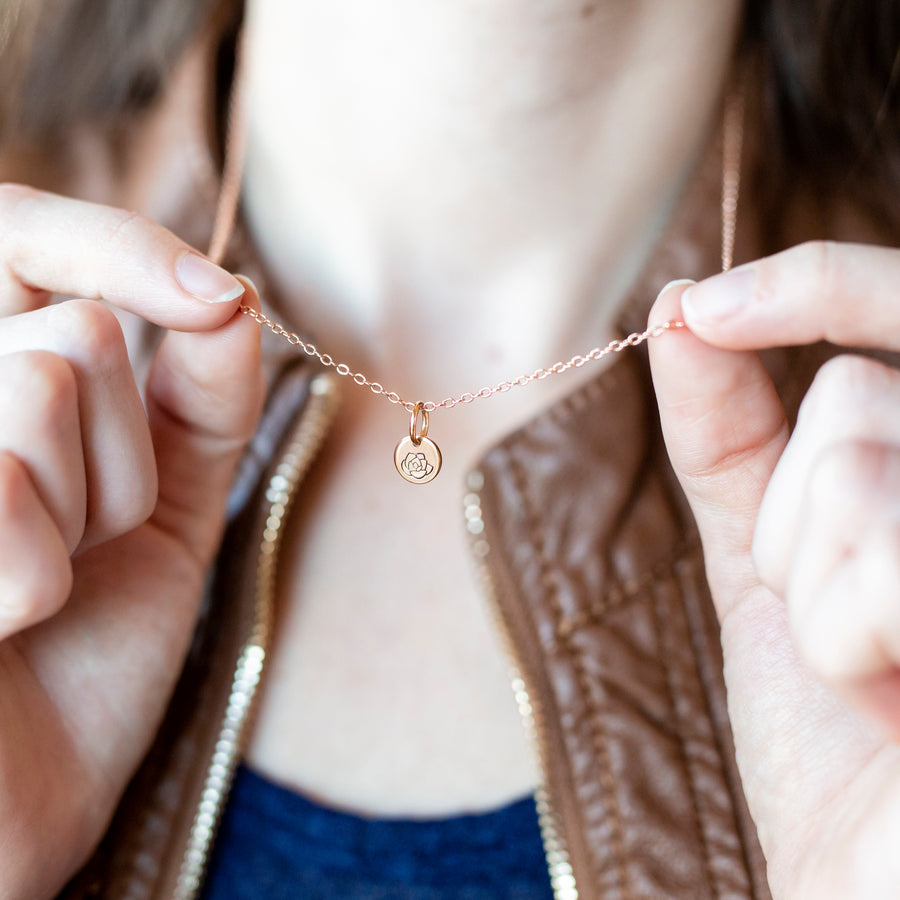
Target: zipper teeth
[562,877]
[304,443]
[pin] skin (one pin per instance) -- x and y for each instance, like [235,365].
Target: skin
[109,519]
[800,535]
[442,236]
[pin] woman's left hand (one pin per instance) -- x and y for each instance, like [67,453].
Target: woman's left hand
[801,534]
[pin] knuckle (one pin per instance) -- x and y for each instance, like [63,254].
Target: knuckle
[810,268]
[844,383]
[849,371]
[13,200]
[123,221]
[815,261]
[93,327]
[11,196]
[852,479]
[839,472]
[815,253]
[36,593]
[38,590]
[822,273]
[129,230]
[45,379]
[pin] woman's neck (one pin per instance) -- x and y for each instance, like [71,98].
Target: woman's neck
[449,193]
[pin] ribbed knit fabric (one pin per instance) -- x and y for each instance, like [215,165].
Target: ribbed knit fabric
[277,845]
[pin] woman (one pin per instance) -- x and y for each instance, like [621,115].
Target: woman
[447,197]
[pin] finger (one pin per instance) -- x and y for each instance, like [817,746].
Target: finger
[118,454]
[35,570]
[44,434]
[725,429]
[851,398]
[843,590]
[65,246]
[851,636]
[204,394]
[843,293]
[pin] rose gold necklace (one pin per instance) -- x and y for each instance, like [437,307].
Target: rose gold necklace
[417,457]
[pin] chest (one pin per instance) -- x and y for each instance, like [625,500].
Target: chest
[387,691]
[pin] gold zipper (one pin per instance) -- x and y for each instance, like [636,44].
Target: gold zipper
[562,877]
[304,443]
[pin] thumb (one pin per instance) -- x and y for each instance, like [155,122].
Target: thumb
[204,396]
[725,429]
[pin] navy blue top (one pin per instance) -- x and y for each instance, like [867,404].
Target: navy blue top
[277,845]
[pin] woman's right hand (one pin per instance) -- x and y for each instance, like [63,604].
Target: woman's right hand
[109,515]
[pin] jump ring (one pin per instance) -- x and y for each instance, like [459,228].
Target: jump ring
[414,434]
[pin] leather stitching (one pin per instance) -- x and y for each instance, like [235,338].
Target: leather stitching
[598,732]
[616,595]
[607,778]
[684,570]
[665,655]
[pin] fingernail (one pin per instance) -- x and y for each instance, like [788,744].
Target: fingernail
[720,296]
[205,280]
[248,283]
[678,282]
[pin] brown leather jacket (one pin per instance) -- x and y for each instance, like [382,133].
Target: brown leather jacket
[591,562]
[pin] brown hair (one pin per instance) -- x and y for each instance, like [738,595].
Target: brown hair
[831,71]
[69,61]
[833,93]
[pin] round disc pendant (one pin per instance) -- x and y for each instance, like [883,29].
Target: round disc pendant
[417,462]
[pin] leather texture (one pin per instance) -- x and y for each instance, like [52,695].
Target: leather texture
[601,583]
[598,577]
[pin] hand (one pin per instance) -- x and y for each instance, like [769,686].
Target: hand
[801,534]
[108,522]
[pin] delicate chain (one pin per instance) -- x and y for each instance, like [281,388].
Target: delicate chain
[732,145]
[449,402]
[733,133]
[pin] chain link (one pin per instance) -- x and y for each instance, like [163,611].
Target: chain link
[576,362]
[733,134]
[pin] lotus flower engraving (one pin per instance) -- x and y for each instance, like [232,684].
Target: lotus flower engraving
[415,465]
